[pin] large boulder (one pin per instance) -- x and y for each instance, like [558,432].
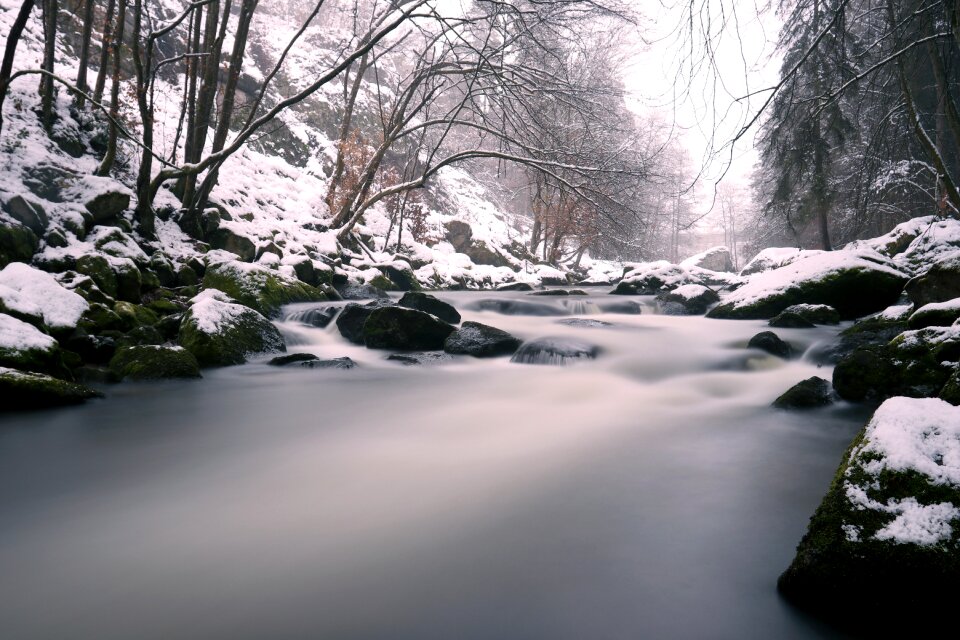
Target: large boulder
[116,277]
[713,259]
[885,537]
[258,287]
[940,283]
[21,390]
[651,278]
[351,320]
[554,351]
[688,299]
[854,283]
[24,347]
[815,313]
[429,304]
[34,293]
[150,362]
[107,205]
[227,239]
[400,328]
[481,341]
[220,332]
[772,258]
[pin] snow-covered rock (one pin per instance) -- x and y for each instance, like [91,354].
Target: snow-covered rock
[258,286]
[887,535]
[29,291]
[713,259]
[649,278]
[855,283]
[219,332]
[935,314]
[24,347]
[772,258]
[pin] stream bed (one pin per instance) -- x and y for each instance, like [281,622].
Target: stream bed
[650,493]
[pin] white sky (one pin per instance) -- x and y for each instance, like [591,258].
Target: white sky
[704,107]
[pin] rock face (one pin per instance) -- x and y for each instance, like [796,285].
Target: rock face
[806,394]
[939,284]
[771,343]
[154,363]
[884,538]
[22,391]
[429,304]
[258,287]
[692,299]
[405,329]
[554,351]
[853,283]
[481,341]
[219,332]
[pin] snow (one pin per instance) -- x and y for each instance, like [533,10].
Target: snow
[949,305]
[921,435]
[809,266]
[211,309]
[17,336]
[895,312]
[928,337]
[671,275]
[808,308]
[35,292]
[771,258]
[690,291]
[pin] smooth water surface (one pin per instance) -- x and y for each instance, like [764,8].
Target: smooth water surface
[651,493]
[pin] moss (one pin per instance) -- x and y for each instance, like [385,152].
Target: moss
[164,306]
[98,268]
[133,315]
[951,390]
[383,282]
[401,328]
[17,243]
[23,391]
[99,318]
[262,290]
[154,362]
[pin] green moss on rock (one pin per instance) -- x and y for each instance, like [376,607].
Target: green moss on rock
[24,391]
[401,328]
[154,362]
[259,288]
[219,332]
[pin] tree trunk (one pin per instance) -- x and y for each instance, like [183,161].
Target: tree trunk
[85,50]
[105,46]
[50,9]
[115,43]
[13,39]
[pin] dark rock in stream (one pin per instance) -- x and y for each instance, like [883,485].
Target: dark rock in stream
[332,363]
[790,320]
[405,329]
[22,390]
[554,351]
[559,292]
[362,292]
[429,304]
[481,341]
[771,343]
[515,286]
[351,320]
[806,394]
[291,358]
[151,362]
[628,307]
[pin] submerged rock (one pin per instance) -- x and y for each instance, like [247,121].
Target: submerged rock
[518,308]
[771,343]
[481,341]
[429,304]
[219,332]
[22,390]
[330,363]
[401,328]
[291,358]
[806,394]
[153,363]
[426,357]
[585,322]
[885,537]
[319,317]
[554,351]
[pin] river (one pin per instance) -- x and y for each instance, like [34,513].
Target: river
[650,493]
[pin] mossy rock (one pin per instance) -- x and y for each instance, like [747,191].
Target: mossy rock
[402,278]
[771,343]
[430,304]
[142,335]
[99,318]
[951,390]
[383,283]
[154,363]
[858,562]
[24,347]
[17,243]
[261,289]
[99,270]
[26,391]
[933,316]
[165,306]
[815,313]
[228,240]
[129,279]
[806,394]
[789,320]
[400,328]
[219,332]
[352,318]
[163,267]
[940,283]
[134,315]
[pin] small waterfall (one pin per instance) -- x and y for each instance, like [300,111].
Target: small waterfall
[580,307]
[554,351]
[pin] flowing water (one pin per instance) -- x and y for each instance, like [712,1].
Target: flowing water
[650,493]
